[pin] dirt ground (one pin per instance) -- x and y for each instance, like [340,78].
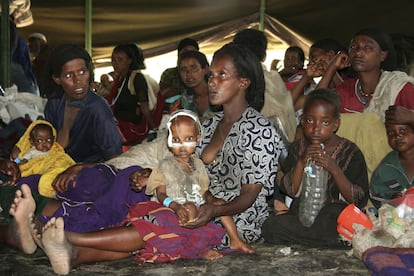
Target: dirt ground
[267,260]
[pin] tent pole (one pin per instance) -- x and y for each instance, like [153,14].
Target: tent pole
[88,26]
[262,14]
[5,59]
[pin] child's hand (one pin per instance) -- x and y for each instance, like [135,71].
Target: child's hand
[182,214]
[11,171]
[317,153]
[14,153]
[311,151]
[340,61]
[397,195]
[192,211]
[316,68]
[66,179]
[139,179]
[324,160]
[23,161]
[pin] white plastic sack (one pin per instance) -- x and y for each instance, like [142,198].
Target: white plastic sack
[19,104]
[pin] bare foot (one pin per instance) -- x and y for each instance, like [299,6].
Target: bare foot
[241,246]
[22,210]
[280,207]
[56,246]
[211,254]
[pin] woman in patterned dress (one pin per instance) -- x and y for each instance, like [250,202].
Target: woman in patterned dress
[240,146]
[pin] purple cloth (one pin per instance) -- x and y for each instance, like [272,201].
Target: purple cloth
[107,197]
[389,261]
[32,181]
[91,184]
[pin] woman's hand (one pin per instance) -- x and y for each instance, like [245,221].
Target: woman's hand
[139,179]
[64,179]
[11,170]
[206,212]
[247,197]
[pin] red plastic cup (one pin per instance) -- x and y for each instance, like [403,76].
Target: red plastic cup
[349,216]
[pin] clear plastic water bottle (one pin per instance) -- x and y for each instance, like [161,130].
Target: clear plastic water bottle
[313,194]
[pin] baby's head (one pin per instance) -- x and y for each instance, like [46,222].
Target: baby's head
[41,137]
[400,137]
[106,79]
[321,117]
[184,132]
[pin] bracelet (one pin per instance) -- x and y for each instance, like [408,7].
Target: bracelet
[167,201]
[17,160]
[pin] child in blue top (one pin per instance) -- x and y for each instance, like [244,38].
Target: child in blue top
[395,173]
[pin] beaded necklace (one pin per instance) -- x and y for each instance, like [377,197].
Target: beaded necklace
[361,95]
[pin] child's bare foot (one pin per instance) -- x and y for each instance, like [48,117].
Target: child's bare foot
[241,246]
[56,246]
[22,210]
[211,254]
